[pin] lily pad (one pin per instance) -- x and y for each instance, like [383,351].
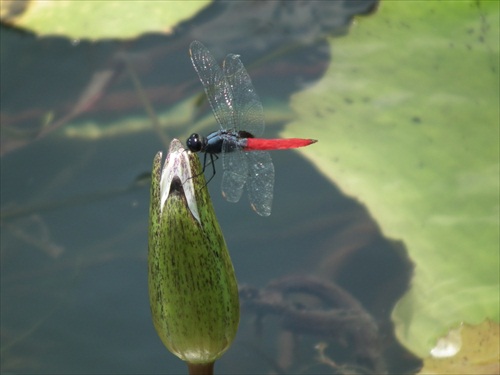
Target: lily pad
[407,119]
[87,19]
[479,352]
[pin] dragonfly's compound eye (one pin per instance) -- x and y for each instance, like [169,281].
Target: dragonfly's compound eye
[194,143]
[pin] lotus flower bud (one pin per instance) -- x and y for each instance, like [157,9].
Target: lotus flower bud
[192,287]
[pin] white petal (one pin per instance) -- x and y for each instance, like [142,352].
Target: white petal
[177,164]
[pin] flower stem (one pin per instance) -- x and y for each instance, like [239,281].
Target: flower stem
[201,368]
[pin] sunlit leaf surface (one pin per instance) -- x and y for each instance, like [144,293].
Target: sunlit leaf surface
[407,119]
[98,19]
[479,352]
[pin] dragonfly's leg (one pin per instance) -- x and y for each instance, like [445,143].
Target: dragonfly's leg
[204,162]
[212,161]
[203,168]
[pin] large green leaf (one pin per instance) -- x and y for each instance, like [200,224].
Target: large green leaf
[91,19]
[407,119]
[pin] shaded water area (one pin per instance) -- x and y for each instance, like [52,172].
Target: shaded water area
[317,279]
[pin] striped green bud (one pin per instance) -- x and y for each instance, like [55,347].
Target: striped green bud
[192,287]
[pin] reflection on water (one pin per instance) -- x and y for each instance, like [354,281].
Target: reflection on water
[74,218]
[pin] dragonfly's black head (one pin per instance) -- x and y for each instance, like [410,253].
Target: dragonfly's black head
[195,143]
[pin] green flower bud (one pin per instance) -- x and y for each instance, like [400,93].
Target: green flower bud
[192,287]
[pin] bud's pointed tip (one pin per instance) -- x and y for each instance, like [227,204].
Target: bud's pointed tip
[175,146]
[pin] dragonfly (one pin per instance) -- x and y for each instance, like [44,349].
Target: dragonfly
[240,115]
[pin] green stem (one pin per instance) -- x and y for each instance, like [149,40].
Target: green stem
[201,368]
[145,102]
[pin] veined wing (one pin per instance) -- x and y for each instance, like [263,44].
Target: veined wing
[248,111]
[235,175]
[260,184]
[248,115]
[214,82]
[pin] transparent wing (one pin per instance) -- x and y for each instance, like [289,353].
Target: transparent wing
[249,114]
[260,181]
[214,82]
[235,173]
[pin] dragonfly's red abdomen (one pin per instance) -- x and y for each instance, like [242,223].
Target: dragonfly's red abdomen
[254,144]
